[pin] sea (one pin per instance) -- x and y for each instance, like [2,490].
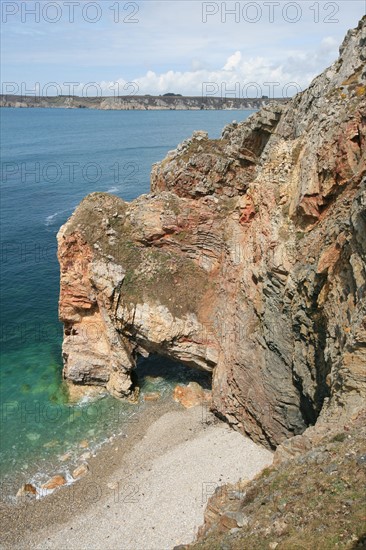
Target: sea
[50,160]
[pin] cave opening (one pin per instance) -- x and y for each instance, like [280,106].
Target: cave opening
[157,374]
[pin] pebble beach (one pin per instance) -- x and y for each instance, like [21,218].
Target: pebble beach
[146,490]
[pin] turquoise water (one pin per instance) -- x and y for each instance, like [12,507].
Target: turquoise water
[50,160]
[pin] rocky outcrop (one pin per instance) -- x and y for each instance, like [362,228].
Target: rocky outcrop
[247,259]
[93,351]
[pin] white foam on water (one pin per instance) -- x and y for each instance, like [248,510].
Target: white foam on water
[49,219]
[52,217]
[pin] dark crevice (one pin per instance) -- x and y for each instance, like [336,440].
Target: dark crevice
[320,329]
[307,409]
[310,407]
[323,367]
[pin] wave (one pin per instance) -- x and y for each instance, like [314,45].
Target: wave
[51,219]
[140,148]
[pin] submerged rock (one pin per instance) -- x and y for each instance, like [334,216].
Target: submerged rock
[153,379]
[86,456]
[65,456]
[77,393]
[33,436]
[51,444]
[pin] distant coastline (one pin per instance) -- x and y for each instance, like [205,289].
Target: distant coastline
[138,103]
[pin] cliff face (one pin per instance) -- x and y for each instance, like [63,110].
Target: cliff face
[247,259]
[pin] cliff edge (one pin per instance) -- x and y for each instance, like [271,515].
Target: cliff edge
[247,259]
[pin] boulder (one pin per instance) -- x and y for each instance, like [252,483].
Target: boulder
[27,490]
[54,482]
[191,395]
[80,471]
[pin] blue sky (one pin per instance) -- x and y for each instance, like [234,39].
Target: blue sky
[176,46]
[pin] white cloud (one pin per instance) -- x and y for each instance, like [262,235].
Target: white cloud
[240,76]
[233,61]
[329,42]
[171,49]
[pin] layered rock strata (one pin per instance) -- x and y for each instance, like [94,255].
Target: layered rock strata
[247,259]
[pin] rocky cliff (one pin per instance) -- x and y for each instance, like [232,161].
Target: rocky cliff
[247,259]
[134,102]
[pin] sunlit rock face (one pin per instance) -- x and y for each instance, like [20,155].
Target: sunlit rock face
[247,259]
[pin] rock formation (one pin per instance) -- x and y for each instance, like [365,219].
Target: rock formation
[247,259]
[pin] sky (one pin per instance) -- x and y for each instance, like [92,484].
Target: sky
[217,48]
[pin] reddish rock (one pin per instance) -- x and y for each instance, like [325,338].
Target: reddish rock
[191,395]
[152,396]
[54,482]
[247,211]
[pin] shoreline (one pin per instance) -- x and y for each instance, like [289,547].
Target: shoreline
[139,102]
[160,109]
[156,476]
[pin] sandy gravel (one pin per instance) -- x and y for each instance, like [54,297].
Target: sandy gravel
[154,497]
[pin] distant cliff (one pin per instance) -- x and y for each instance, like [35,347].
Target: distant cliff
[247,259]
[138,103]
